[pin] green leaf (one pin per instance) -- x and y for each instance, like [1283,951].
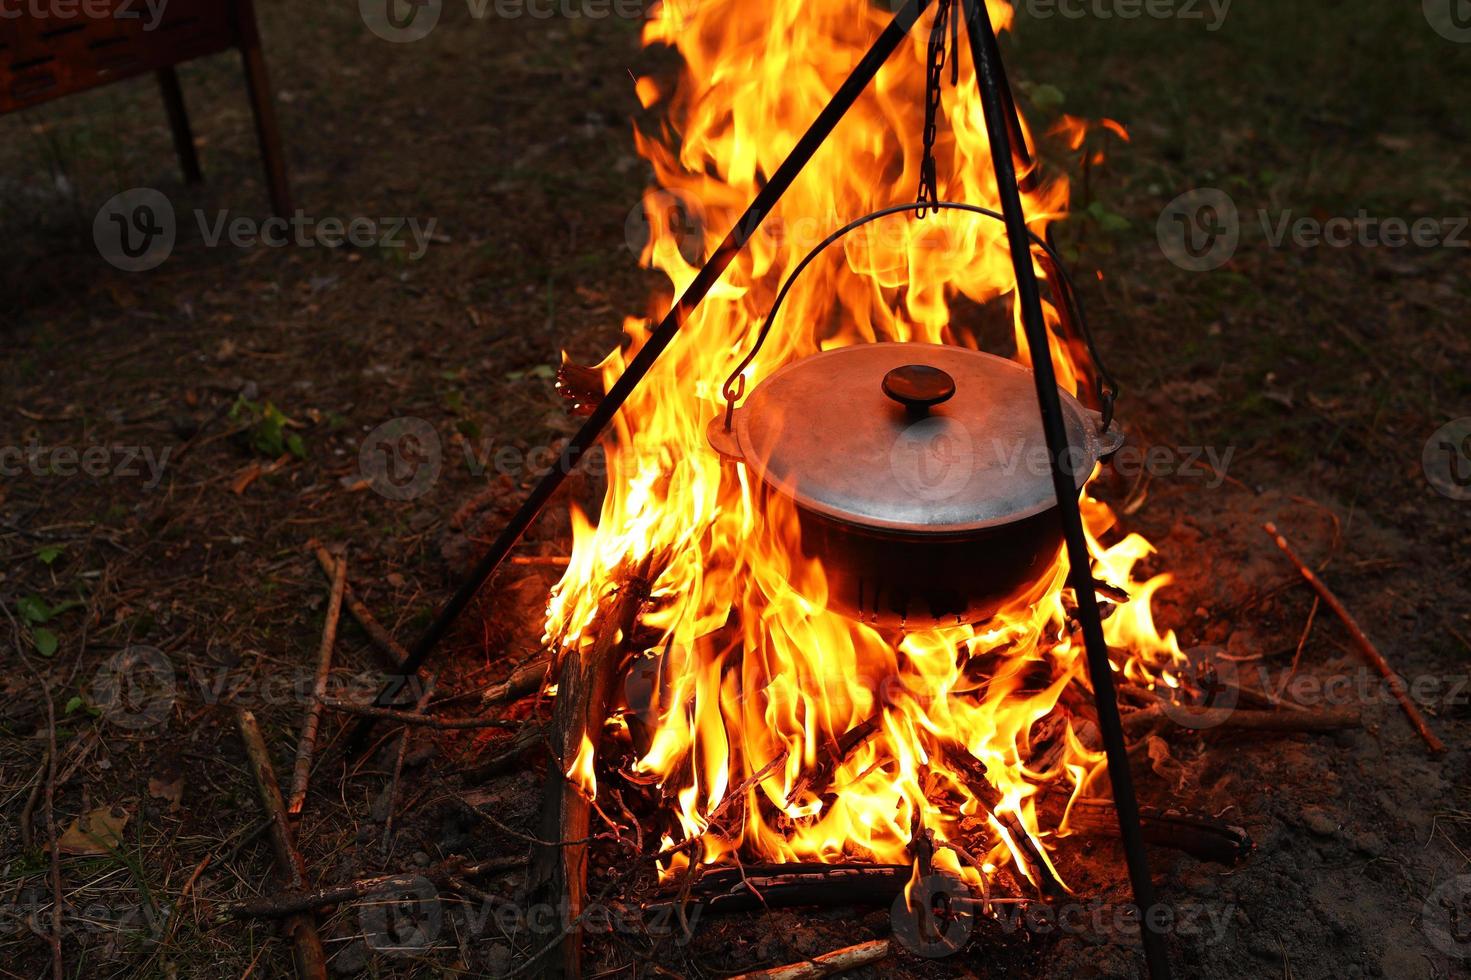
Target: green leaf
[49,554]
[44,641]
[73,704]
[33,609]
[296,447]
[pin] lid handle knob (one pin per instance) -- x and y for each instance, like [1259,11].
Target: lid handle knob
[918,387]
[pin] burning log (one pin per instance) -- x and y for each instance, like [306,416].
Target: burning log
[828,964]
[834,754]
[1196,834]
[581,386]
[311,961]
[1365,645]
[755,887]
[977,780]
[585,687]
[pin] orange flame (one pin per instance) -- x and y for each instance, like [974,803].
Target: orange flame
[755,679]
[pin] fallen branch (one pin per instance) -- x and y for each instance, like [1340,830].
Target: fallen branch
[360,613]
[1238,719]
[307,744]
[1362,641]
[311,962]
[294,903]
[838,961]
[414,717]
[53,851]
[523,744]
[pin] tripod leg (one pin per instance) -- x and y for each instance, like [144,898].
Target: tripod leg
[986,54]
[587,436]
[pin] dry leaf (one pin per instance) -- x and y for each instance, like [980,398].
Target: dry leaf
[94,833]
[160,790]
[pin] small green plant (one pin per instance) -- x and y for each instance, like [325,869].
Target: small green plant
[267,429]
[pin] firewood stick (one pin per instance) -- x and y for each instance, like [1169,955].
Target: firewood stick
[585,688]
[978,781]
[398,766]
[307,744]
[1193,833]
[834,754]
[311,962]
[828,964]
[1306,720]
[294,903]
[1361,640]
[524,680]
[414,717]
[359,611]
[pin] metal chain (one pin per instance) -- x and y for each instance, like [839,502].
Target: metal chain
[934,74]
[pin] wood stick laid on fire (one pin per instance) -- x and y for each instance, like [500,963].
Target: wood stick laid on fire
[307,745]
[364,617]
[1239,719]
[311,962]
[1196,834]
[1361,640]
[828,964]
[585,685]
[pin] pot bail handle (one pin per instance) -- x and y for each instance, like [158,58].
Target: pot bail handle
[918,387]
[1106,389]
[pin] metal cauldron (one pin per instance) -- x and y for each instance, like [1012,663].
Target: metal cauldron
[919,474]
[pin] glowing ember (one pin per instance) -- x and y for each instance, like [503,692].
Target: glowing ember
[751,677]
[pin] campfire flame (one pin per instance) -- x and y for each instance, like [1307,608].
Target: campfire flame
[752,681]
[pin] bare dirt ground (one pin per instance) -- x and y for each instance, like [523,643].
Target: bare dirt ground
[225,396]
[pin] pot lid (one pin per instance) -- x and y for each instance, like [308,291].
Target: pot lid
[908,436]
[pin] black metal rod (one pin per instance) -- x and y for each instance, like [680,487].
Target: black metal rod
[986,53]
[587,436]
